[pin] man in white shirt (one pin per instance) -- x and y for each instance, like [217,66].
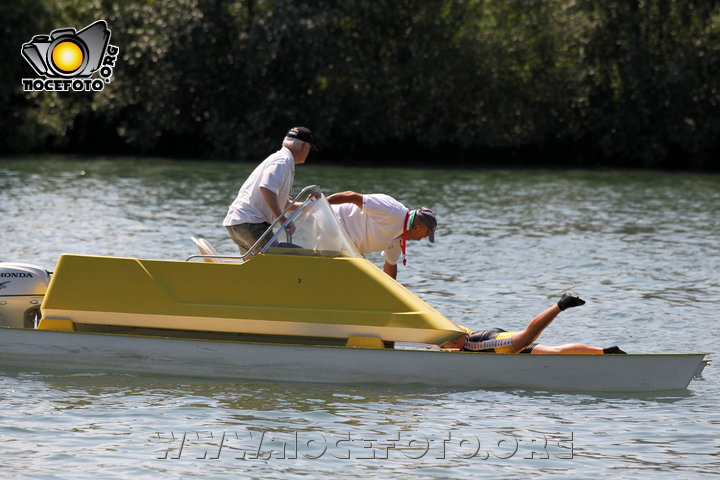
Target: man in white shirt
[378,222]
[264,195]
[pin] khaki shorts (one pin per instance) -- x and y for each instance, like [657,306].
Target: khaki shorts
[246,234]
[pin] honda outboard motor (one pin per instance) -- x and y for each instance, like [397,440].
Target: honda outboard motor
[22,288]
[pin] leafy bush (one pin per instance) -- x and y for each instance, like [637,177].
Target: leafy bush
[606,82]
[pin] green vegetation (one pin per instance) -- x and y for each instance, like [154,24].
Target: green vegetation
[539,82]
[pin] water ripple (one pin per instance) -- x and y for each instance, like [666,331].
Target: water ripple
[642,248]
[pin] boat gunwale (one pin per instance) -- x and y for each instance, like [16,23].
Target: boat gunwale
[243,342]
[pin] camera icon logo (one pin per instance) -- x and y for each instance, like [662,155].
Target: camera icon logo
[68,54]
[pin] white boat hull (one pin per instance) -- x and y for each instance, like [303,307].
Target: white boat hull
[325,364]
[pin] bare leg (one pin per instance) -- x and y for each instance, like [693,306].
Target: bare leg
[522,339]
[577,348]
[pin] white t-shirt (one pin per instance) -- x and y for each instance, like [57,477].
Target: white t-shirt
[276,173]
[377,227]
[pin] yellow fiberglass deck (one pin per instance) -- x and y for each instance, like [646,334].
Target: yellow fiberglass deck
[270,294]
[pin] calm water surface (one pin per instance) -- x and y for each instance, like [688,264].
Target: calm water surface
[642,248]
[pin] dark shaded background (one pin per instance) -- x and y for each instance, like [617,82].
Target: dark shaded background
[513,82]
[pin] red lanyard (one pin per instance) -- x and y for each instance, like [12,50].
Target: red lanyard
[403,242]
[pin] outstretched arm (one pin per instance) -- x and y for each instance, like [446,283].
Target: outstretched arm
[346,197]
[390,269]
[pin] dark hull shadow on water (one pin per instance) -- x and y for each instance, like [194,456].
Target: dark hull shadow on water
[64,379]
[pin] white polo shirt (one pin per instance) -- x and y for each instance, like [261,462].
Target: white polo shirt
[277,174]
[377,227]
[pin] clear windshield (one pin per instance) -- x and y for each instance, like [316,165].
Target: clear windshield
[317,232]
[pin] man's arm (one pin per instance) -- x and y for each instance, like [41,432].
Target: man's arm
[346,197]
[390,269]
[271,199]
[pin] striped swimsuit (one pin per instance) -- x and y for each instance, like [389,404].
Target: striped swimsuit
[494,340]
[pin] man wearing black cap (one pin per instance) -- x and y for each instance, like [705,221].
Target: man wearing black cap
[264,195]
[377,222]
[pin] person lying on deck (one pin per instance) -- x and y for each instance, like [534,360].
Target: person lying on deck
[498,340]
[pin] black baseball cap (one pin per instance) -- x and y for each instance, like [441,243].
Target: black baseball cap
[304,134]
[426,216]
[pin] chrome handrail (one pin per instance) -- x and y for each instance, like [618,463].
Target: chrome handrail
[303,192]
[290,219]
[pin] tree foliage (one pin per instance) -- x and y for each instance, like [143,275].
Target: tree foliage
[594,82]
